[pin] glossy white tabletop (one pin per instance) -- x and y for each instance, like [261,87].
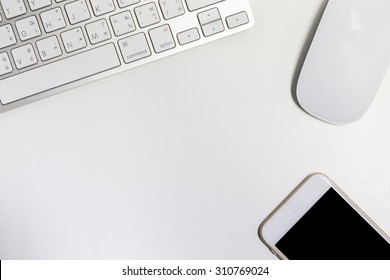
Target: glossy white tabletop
[183,158]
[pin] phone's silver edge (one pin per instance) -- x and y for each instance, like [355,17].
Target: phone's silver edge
[277,252]
[360,211]
[274,250]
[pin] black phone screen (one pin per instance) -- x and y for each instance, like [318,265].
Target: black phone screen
[333,230]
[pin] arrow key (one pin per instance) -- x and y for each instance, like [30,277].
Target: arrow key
[236,20]
[188,36]
[213,28]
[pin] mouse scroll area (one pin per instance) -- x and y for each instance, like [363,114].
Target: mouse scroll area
[347,60]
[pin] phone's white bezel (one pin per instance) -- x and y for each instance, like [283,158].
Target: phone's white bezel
[296,205]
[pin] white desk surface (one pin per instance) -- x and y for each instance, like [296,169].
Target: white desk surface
[183,158]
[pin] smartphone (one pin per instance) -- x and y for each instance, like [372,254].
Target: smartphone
[317,221]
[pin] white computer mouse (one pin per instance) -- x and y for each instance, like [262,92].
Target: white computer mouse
[347,60]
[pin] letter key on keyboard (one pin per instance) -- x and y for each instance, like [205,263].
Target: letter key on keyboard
[48,46]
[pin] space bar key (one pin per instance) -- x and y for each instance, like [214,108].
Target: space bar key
[58,73]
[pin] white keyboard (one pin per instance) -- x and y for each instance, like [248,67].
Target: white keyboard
[48,46]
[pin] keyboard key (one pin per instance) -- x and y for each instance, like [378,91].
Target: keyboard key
[236,20]
[28,28]
[198,4]
[188,36]
[67,70]
[98,31]
[147,15]
[101,7]
[162,38]
[211,22]
[5,64]
[7,36]
[38,4]
[122,23]
[213,28]
[134,48]
[73,40]
[13,8]
[24,56]
[77,11]
[53,20]
[171,8]
[126,3]
[209,16]
[49,48]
